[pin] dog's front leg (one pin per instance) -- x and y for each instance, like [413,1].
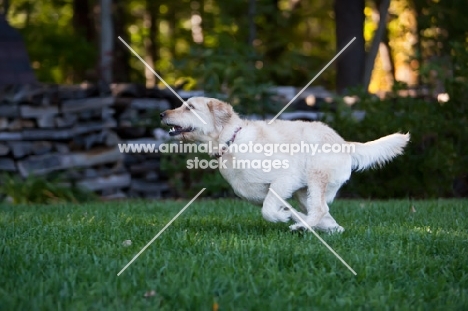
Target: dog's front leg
[273,209]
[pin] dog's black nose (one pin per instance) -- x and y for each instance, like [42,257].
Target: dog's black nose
[162,114]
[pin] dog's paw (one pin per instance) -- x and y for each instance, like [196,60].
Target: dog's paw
[334,230]
[301,227]
[297,227]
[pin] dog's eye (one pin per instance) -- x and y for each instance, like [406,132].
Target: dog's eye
[190,106]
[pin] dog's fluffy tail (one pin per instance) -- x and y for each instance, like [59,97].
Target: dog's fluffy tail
[378,152]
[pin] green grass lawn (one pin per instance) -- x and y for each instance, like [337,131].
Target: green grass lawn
[66,257]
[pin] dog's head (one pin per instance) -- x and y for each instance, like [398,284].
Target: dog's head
[186,121]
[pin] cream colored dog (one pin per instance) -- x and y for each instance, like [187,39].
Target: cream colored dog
[314,179]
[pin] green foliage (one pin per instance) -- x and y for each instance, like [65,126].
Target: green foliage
[40,190]
[441,31]
[437,153]
[224,251]
[457,81]
[435,156]
[58,53]
[232,71]
[290,42]
[439,24]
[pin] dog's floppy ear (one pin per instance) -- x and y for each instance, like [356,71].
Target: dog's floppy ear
[221,112]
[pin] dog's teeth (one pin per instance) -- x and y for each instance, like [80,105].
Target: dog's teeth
[172,130]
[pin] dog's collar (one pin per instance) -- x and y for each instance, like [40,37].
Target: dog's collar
[228,143]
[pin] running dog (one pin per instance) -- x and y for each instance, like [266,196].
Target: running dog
[313,179]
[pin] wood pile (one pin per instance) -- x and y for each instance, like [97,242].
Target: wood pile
[137,115]
[74,131]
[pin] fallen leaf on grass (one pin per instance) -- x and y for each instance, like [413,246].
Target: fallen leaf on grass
[412,210]
[127,243]
[150,293]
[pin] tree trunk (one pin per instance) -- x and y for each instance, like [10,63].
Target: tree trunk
[121,55]
[387,56]
[82,19]
[6,6]
[149,22]
[28,7]
[419,44]
[172,21]
[154,29]
[349,18]
[107,43]
[370,61]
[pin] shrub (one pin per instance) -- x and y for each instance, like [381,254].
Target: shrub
[40,190]
[437,154]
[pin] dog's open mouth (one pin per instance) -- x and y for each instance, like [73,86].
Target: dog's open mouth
[176,130]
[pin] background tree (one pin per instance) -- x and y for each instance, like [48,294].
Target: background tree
[349,17]
[15,68]
[150,40]
[4,7]
[121,60]
[107,43]
[383,6]
[83,22]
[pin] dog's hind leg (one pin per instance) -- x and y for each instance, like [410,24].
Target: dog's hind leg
[327,223]
[317,206]
[332,189]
